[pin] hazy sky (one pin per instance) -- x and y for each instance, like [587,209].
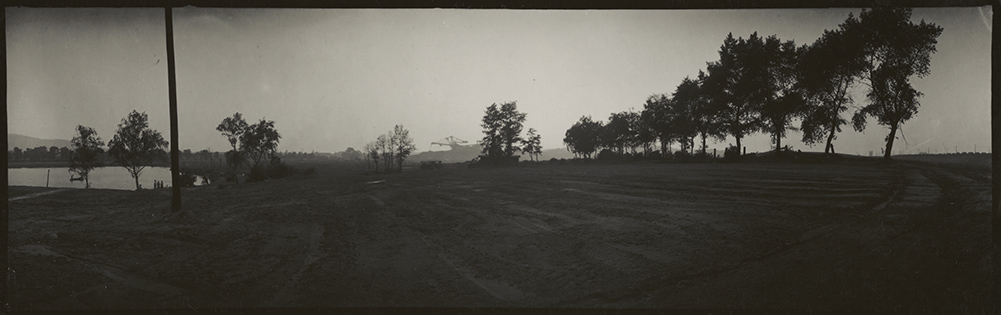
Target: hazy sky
[334,78]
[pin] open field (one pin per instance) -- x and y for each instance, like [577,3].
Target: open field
[809,236]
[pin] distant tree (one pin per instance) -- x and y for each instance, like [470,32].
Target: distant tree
[371,154]
[584,137]
[532,144]
[233,128]
[617,132]
[53,153]
[17,154]
[86,153]
[895,49]
[656,116]
[502,129]
[686,112]
[384,145]
[826,70]
[134,145]
[259,141]
[404,145]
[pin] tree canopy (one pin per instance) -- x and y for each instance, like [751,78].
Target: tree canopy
[134,145]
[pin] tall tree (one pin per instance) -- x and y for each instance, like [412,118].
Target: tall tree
[733,86]
[86,153]
[502,131]
[782,99]
[134,145]
[895,49]
[404,145]
[656,116]
[827,69]
[689,116]
[532,144]
[233,128]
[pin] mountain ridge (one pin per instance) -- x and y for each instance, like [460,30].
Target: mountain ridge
[27,142]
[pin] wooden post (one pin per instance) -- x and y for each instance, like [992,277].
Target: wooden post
[47,172]
[175,172]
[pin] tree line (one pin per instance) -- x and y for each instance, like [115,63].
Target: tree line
[763,84]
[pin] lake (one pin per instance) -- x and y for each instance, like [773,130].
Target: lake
[110,177]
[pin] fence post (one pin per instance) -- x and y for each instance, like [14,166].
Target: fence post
[47,172]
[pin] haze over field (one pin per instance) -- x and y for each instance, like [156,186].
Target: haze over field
[333,79]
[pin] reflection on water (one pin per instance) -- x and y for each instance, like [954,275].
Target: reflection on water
[110,177]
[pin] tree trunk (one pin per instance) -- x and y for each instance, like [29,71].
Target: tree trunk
[778,140]
[86,180]
[889,141]
[704,143]
[739,148]
[829,148]
[137,180]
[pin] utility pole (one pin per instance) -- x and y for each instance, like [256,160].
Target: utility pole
[175,172]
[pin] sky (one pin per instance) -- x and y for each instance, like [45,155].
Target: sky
[338,78]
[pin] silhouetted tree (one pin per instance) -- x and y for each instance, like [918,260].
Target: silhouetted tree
[86,153]
[895,49]
[782,100]
[532,144]
[584,137]
[404,144]
[735,84]
[382,142]
[616,132]
[372,154]
[134,145]
[233,128]
[827,69]
[259,141]
[502,131]
[656,115]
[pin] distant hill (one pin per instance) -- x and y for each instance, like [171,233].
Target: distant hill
[464,153]
[25,142]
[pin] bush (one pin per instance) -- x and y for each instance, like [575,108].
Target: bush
[231,177]
[309,171]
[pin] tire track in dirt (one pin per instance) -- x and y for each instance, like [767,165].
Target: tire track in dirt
[499,289]
[656,282]
[111,272]
[287,292]
[38,194]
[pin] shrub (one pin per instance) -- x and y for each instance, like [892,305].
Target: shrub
[309,171]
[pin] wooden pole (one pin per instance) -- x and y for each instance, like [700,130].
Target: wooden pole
[175,172]
[47,172]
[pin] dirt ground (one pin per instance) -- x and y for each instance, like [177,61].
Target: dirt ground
[807,236]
